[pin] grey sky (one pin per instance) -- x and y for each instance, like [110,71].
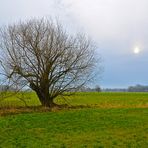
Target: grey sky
[116,25]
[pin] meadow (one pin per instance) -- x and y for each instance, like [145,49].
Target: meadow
[100,120]
[102,100]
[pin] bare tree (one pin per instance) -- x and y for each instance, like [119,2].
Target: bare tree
[42,55]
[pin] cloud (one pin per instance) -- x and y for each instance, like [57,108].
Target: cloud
[11,11]
[116,25]
[111,20]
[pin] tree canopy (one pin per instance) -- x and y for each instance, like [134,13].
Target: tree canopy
[41,54]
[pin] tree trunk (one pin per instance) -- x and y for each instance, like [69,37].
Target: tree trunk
[43,95]
[45,99]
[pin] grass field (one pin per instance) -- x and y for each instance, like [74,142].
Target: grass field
[102,100]
[112,120]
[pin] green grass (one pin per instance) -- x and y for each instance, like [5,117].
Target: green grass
[126,128]
[102,100]
[30,99]
[114,120]
[108,100]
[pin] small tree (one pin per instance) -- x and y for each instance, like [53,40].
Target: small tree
[42,55]
[98,88]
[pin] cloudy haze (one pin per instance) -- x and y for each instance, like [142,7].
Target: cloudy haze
[117,26]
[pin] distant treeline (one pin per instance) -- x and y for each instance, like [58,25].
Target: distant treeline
[136,88]
[6,88]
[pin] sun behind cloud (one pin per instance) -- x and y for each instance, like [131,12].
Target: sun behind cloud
[136,50]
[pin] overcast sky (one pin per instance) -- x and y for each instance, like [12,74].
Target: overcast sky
[117,26]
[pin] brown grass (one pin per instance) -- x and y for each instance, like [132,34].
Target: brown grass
[4,111]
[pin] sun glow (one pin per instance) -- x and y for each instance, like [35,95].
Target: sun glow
[136,50]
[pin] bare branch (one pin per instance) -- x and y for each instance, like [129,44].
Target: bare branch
[41,54]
